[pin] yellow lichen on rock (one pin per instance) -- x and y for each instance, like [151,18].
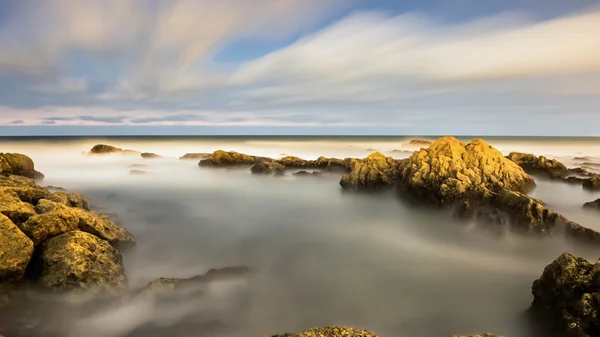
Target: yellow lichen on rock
[229,158]
[16,164]
[331,331]
[16,250]
[374,172]
[12,207]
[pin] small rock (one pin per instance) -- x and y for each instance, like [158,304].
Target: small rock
[149,155]
[592,204]
[268,167]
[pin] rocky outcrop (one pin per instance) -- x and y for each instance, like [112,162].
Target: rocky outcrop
[450,171]
[592,184]
[16,250]
[16,164]
[533,164]
[79,260]
[194,156]
[592,205]
[268,167]
[109,149]
[150,155]
[71,199]
[566,298]
[372,173]
[330,331]
[230,158]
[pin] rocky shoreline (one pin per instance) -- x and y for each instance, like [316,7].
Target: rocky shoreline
[53,241]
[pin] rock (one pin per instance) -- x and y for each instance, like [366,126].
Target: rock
[532,164]
[90,222]
[486,334]
[306,173]
[38,176]
[17,181]
[71,199]
[55,188]
[590,164]
[189,156]
[268,167]
[582,158]
[28,194]
[231,158]
[374,172]
[566,298]
[16,250]
[330,331]
[592,184]
[16,164]
[15,209]
[137,172]
[78,260]
[108,149]
[372,150]
[41,227]
[592,204]
[419,142]
[450,171]
[149,155]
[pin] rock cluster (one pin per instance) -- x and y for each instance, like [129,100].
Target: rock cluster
[566,298]
[54,239]
[222,158]
[372,173]
[553,169]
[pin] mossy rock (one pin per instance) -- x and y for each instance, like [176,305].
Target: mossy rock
[566,298]
[330,331]
[79,260]
[16,164]
[374,172]
[16,250]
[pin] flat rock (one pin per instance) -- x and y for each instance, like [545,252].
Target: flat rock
[306,173]
[533,164]
[419,142]
[566,298]
[330,331]
[79,260]
[16,250]
[16,164]
[150,155]
[592,205]
[374,172]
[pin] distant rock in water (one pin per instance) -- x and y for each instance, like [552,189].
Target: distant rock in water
[38,176]
[400,151]
[590,164]
[268,167]
[306,173]
[17,164]
[419,142]
[592,184]
[582,158]
[230,158]
[372,150]
[534,164]
[138,165]
[189,156]
[592,204]
[330,331]
[137,172]
[109,149]
[372,173]
[566,298]
[150,155]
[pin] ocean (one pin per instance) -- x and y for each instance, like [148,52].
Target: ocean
[320,257]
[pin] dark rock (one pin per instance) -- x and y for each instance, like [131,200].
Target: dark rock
[582,158]
[149,155]
[330,331]
[306,173]
[16,250]
[566,298]
[38,176]
[189,156]
[372,173]
[592,204]
[16,164]
[532,164]
[481,335]
[590,164]
[78,260]
[268,167]
[592,184]
[55,189]
[137,172]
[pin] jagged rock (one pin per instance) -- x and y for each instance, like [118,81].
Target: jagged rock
[592,204]
[450,171]
[372,173]
[71,199]
[97,224]
[268,167]
[16,164]
[330,331]
[16,250]
[28,194]
[149,155]
[15,209]
[137,172]
[566,298]
[189,156]
[41,227]
[78,260]
[109,149]
[231,158]
[592,184]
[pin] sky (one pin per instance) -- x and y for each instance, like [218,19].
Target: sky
[422,67]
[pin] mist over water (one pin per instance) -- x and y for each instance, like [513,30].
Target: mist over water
[320,256]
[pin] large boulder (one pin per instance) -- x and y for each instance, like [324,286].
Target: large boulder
[330,331]
[16,250]
[79,260]
[41,227]
[230,158]
[374,172]
[97,224]
[566,298]
[450,171]
[541,165]
[16,164]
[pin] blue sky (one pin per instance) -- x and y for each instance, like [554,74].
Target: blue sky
[514,67]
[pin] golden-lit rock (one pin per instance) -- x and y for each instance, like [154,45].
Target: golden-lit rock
[16,250]
[15,209]
[372,173]
[230,158]
[330,331]
[16,164]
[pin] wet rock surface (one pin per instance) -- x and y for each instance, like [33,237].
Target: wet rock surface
[566,298]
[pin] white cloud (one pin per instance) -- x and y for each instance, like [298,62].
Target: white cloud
[65,85]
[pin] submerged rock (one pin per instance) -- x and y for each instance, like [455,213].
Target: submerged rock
[592,204]
[481,335]
[566,298]
[189,156]
[16,250]
[592,184]
[330,331]
[374,172]
[16,164]
[79,260]
[150,155]
[306,173]
[231,158]
[450,171]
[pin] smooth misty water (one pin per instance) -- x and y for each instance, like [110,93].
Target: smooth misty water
[321,257]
